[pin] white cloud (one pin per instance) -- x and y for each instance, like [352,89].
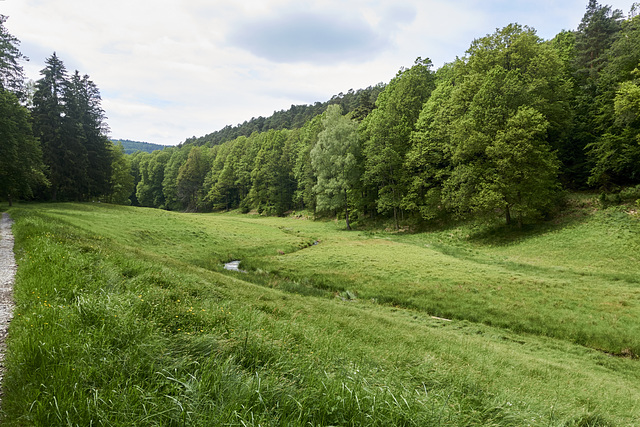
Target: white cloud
[172,69]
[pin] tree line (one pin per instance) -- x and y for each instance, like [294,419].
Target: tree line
[358,103]
[53,134]
[502,131]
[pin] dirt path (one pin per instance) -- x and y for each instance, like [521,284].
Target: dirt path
[7,273]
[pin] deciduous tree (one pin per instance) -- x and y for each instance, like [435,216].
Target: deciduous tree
[21,166]
[387,130]
[336,159]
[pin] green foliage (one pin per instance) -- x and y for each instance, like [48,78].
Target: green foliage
[11,72]
[85,114]
[387,130]
[335,160]
[358,103]
[488,134]
[304,196]
[272,175]
[525,169]
[131,147]
[70,124]
[121,182]
[178,158]
[65,161]
[21,168]
[596,34]
[191,176]
[223,180]
[615,152]
[149,190]
[482,141]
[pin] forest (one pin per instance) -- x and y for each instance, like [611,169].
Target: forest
[131,147]
[503,131]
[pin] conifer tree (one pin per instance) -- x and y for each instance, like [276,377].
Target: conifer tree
[596,33]
[11,71]
[87,123]
[66,162]
[21,166]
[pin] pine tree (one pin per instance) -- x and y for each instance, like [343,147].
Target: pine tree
[11,72]
[87,124]
[596,33]
[65,158]
[615,152]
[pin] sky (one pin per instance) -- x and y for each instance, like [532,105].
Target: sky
[168,70]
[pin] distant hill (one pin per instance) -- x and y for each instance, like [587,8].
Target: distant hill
[356,103]
[133,146]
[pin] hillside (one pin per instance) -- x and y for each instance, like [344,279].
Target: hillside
[358,103]
[125,315]
[131,147]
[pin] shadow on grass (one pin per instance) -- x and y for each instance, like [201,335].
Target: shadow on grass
[492,230]
[575,211]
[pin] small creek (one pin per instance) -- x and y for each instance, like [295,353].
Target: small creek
[233,266]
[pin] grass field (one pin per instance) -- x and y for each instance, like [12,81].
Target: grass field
[125,316]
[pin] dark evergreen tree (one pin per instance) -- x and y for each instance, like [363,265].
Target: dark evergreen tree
[70,123]
[21,167]
[596,33]
[598,30]
[11,72]
[615,153]
[87,127]
[64,156]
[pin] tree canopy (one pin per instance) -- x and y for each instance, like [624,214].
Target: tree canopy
[498,132]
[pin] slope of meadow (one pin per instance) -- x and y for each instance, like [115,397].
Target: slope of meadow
[125,317]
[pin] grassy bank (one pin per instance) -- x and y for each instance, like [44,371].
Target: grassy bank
[125,317]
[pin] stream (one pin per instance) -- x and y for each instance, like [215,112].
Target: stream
[234,266]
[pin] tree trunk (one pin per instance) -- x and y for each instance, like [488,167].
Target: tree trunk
[508,215]
[395,218]
[346,210]
[10,200]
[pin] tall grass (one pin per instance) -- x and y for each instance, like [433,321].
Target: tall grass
[110,330]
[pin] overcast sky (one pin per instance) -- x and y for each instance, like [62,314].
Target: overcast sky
[169,70]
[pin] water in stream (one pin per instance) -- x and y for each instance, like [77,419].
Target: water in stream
[233,266]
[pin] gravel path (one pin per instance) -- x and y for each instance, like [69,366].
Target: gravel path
[7,272]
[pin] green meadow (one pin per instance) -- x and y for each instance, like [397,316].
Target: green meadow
[125,317]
